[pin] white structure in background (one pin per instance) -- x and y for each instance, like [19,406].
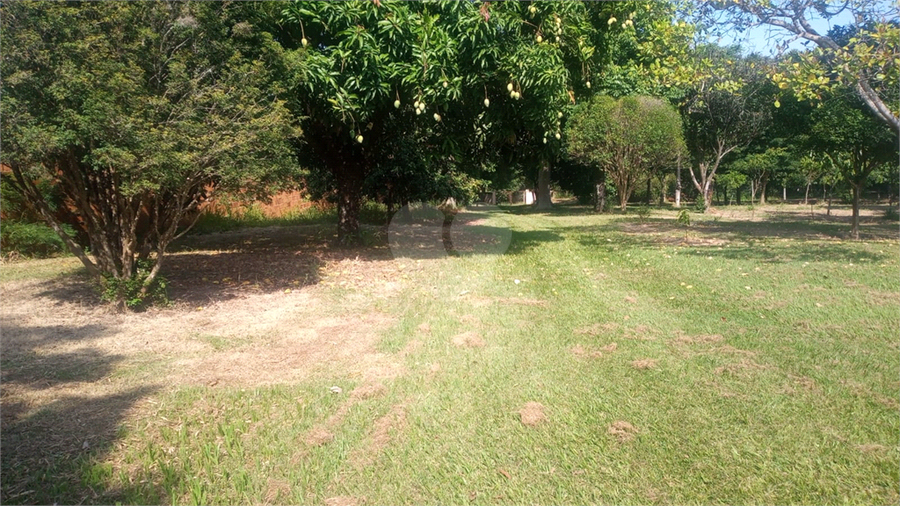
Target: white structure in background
[529,197]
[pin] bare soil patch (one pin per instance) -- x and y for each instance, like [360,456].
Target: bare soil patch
[622,431]
[344,500]
[384,430]
[470,339]
[532,414]
[250,308]
[644,364]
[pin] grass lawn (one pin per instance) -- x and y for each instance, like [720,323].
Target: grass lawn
[601,359]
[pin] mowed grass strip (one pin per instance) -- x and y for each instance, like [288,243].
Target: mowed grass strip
[600,360]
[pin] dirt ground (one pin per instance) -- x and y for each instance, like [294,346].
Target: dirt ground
[250,307]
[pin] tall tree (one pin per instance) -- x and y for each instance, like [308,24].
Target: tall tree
[463,72]
[866,61]
[496,75]
[725,110]
[625,138]
[138,112]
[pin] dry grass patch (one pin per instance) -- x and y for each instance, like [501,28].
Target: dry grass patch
[532,414]
[368,391]
[597,329]
[872,448]
[698,339]
[470,339]
[639,333]
[580,351]
[344,500]
[276,491]
[318,436]
[622,431]
[384,430]
[645,363]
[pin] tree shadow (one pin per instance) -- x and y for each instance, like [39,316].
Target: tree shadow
[558,209]
[734,240]
[47,454]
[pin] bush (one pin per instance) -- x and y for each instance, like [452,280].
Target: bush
[700,205]
[31,239]
[128,291]
[892,214]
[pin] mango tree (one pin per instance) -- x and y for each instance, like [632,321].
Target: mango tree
[474,79]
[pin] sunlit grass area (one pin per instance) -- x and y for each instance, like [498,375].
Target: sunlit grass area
[602,359]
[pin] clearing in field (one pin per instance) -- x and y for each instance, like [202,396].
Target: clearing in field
[601,359]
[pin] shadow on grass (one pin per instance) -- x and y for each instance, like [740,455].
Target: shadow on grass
[47,455]
[761,241]
[51,430]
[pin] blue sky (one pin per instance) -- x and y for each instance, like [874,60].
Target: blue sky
[763,39]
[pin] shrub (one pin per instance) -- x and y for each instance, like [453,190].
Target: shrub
[129,290]
[31,239]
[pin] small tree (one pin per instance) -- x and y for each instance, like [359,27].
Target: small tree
[855,141]
[760,168]
[625,138]
[138,112]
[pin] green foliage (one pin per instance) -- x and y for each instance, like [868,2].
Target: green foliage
[30,239]
[643,212]
[130,291]
[683,218]
[627,138]
[484,84]
[150,105]
[700,205]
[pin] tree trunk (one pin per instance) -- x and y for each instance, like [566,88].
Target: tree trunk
[752,192]
[737,194]
[543,193]
[762,192]
[28,189]
[856,189]
[649,190]
[707,193]
[349,200]
[662,190]
[784,193]
[600,195]
[806,195]
[678,183]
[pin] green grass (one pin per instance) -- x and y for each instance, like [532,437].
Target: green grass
[208,223]
[775,381]
[43,269]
